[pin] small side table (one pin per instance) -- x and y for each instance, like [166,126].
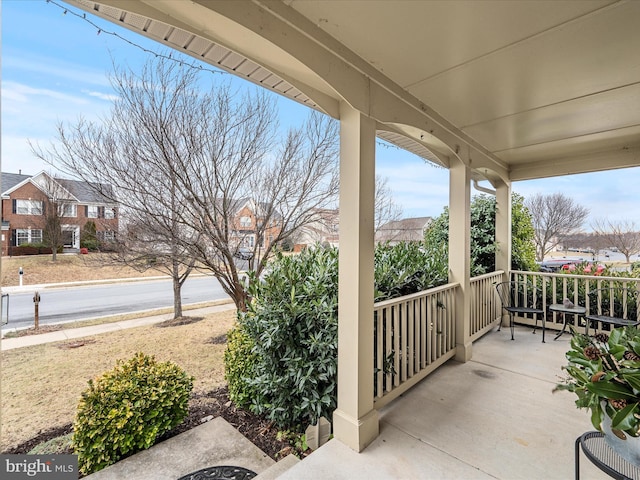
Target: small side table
[561,308]
[598,451]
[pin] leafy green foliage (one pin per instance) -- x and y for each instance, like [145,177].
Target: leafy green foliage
[281,359]
[523,247]
[407,268]
[127,408]
[293,322]
[483,227]
[605,376]
[88,236]
[240,366]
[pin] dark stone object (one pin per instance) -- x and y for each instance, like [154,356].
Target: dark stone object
[220,473]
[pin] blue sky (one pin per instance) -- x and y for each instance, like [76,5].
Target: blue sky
[55,65]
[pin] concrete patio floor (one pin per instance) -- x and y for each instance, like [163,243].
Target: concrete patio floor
[494,417]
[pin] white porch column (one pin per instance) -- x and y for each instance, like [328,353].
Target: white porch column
[460,252]
[355,422]
[503,227]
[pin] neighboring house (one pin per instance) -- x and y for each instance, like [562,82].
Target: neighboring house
[323,229]
[247,228]
[26,200]
[405,230]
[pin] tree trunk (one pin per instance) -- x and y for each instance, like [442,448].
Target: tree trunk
[177,291]
[177,298]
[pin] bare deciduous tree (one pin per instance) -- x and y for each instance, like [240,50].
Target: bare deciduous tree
[56,202]
[385,208]
[186,161]
[623,235]
[554,216]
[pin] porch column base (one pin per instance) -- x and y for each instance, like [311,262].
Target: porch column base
[463,352]
[356,433]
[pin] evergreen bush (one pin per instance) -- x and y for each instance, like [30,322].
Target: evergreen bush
[240,366]
[281,358]
[127,408]
[293,324]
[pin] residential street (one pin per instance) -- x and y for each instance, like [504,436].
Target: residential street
[78,303]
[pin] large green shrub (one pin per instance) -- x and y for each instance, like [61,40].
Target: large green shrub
[483,227]
[408,267]
[127,408]
[240,366]
[293,323]
[281,358]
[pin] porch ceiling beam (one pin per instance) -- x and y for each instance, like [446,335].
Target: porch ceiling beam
[590,162]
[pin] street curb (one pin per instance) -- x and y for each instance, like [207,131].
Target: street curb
[72,333]
[87,283]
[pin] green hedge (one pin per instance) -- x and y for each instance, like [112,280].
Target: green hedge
[127,408]
[281,359]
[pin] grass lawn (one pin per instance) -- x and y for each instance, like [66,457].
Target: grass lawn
[41,385]
[67,268]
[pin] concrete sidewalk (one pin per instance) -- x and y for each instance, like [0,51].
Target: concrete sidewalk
[71,333]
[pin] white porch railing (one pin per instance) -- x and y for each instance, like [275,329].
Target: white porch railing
[554,287]
[413,335]
[486,308]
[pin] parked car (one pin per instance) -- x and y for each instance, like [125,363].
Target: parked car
[244,253]
[555,265]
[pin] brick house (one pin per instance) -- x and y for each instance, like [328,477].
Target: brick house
[247,231]
[26,199]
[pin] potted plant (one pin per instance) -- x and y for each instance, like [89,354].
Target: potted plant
[604,372]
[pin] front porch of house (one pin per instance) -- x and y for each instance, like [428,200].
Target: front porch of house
[493,417]
[512,99]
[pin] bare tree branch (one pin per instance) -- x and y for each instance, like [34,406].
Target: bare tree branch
[201,173]
[623,235]
[554,216]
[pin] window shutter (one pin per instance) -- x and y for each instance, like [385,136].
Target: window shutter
[13,206]
[100,212]
[13,236]
[86,211]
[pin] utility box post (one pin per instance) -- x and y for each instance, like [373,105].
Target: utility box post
[36,317]
[20,272]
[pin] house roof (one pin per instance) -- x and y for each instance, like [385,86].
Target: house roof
[407,229]
[11,180]
[84,192]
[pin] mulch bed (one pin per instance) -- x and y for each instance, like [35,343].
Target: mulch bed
[175,322]
[202,406]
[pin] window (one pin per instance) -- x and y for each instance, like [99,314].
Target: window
[245,221]
[26,235]
[92,211]
[69,210]
[107,236]
[28,207]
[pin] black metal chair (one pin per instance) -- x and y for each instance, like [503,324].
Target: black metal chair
[518,298]
[615,306]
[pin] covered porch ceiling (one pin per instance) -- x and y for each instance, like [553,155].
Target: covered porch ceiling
[520,90]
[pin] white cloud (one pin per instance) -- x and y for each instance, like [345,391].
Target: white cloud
[22,93]
[54,69]
[110,97]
